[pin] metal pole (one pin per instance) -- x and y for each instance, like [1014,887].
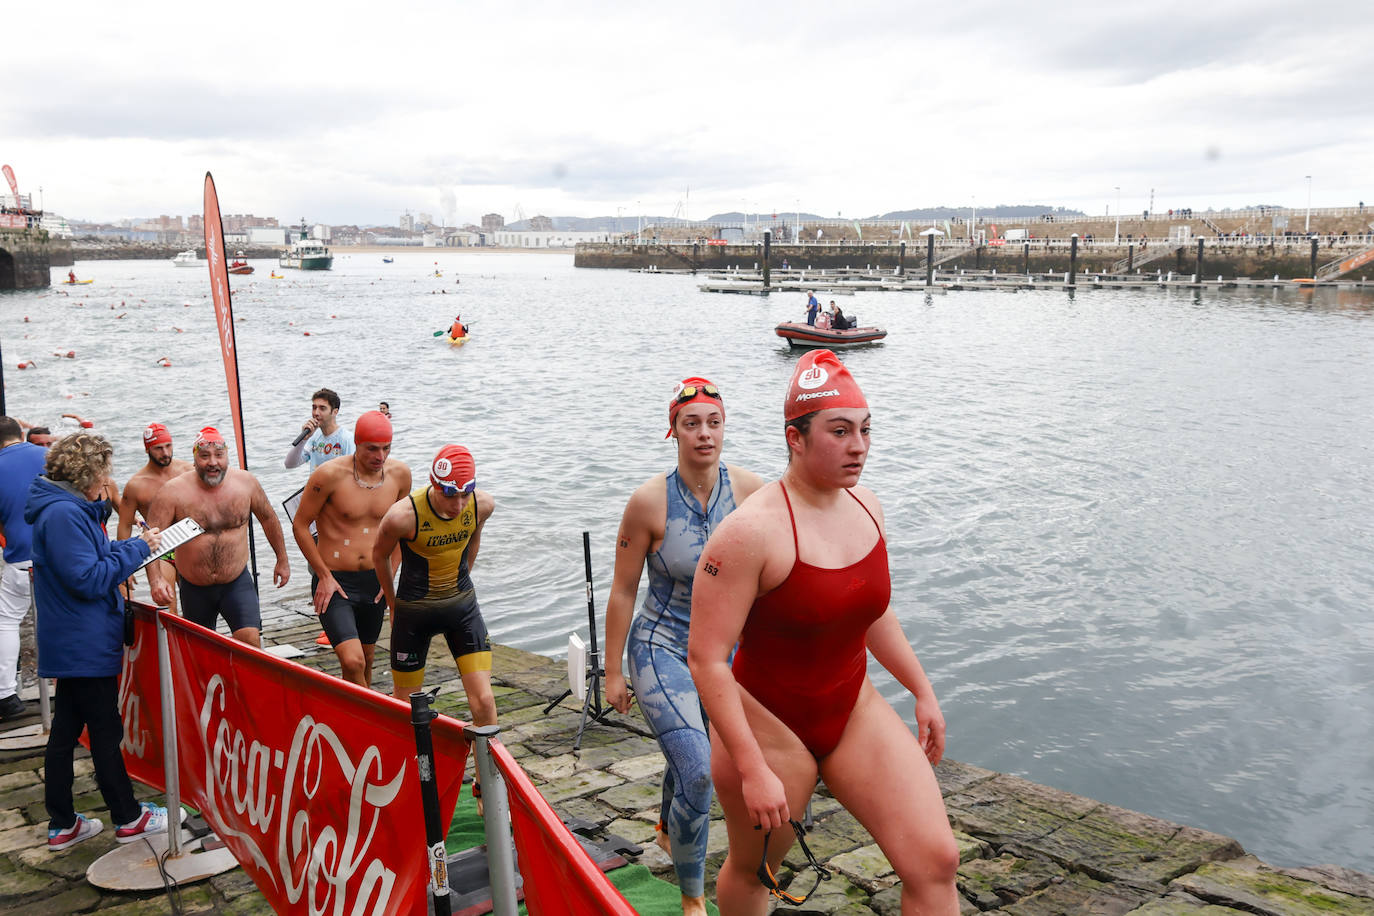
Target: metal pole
[901,261]
[1073,259]
[930,259]
[44,703]
[169,740]
[767,244]
[1315,243]
[420,717]
[495,821]
[1117,240]
[1198,278]
[1307,223]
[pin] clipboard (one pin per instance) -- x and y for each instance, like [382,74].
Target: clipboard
[174,537]
[291,504]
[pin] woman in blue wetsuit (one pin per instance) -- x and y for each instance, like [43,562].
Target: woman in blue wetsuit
[666,524]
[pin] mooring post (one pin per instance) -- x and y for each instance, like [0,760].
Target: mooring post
[420,717]
[1073,260]
[1025,259]
[930,259]
[1198,272]
[767,245]
[696,255]
[901,260]
[1315,242]
[1130,257]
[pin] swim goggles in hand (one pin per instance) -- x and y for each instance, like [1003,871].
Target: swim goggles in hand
[691,391]
[769,881]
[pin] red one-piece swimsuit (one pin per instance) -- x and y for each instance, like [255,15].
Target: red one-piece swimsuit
[803,652]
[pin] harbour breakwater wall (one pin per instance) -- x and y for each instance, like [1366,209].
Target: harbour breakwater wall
[1286,260]
[122,250]
[25,258]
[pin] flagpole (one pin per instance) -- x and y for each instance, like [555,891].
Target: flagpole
[224,318]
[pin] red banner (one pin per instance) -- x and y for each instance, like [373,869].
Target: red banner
[14,185]
[310,780]
[559,876]
[224,309]
[13,221]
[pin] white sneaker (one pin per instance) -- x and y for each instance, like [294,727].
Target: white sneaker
[83,829]
[152,820]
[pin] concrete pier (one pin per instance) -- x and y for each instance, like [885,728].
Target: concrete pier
[1026,849]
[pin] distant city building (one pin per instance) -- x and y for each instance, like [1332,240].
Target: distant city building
[541,224]
[462,238]
[407,222]
[562,238]
[195,223]
[492,222]
[241,222]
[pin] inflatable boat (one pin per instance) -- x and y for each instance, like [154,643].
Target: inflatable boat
[801,334]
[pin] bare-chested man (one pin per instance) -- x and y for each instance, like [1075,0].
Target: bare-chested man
[346,498]
[143,486]
[214,567]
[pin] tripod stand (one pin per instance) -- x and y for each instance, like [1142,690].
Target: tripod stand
[591,703]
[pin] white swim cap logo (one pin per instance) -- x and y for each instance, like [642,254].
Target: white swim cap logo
[442,468]
[814,377]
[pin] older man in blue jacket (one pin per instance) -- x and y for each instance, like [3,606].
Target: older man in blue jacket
[76,573]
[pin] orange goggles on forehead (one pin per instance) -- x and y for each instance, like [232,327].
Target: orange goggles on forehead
[691,391]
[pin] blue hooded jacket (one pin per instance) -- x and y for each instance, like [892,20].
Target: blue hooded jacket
[76,573]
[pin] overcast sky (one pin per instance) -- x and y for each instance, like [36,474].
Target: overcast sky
[354,113]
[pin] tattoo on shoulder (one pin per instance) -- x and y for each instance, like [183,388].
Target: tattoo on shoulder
[712,565]
[624,542]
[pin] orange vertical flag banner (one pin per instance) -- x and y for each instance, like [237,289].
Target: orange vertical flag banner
[224,309]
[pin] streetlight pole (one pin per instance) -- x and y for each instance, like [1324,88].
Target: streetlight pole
[1118,216]
[796,232]
[639,226]
[973,217]
[1307,223]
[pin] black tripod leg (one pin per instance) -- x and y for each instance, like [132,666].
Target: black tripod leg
[549,708]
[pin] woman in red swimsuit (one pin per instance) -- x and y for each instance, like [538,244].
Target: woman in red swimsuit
[798,577]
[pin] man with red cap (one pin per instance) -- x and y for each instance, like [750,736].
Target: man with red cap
[144,485]
[214,566]
[795,585]
[438,529]
[346,498]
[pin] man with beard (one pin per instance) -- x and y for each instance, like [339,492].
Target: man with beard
[346,499]
[144,485]
[214,567]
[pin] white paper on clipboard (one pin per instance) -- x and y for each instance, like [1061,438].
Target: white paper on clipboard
[174,537]
[291,504]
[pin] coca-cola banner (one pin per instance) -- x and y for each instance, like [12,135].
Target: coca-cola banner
[140,704]
[311,781]
[559,875]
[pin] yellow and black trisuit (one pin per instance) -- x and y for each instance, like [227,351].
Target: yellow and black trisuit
[435,595]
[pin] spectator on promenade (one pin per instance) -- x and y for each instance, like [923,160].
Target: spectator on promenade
[40,436]
[76,571]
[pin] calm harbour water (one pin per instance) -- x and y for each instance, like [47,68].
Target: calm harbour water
[1129,531]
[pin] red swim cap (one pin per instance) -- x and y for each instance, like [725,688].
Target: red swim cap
[209,437]
[820,381]
[694,390]
[155,434]
[372,426]
[454,469]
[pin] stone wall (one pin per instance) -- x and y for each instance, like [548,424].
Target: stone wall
[1229,261]
[89,249]
[24,259]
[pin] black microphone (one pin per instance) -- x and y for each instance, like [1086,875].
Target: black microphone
[305,434]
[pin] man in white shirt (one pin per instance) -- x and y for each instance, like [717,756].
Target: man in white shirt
[321,437]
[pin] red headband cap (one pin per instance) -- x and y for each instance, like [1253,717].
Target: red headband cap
[453,467]
[155,434]
[820,381]
[701,397]
[209,436]
[372,426]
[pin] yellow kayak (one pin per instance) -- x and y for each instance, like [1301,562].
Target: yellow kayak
[76,282]
[458,341]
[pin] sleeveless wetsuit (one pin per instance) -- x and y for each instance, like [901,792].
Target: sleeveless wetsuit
[663,684]
[435,595]
[803,652]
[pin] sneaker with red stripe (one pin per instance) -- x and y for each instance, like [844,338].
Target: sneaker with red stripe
[152,819]
[83,829]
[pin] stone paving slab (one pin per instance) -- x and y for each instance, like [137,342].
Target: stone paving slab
[1025,849]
